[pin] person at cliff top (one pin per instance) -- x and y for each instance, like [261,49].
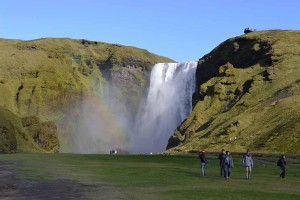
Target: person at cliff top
[221,158]
[227,165]
[248,164]
[282,163]
[203,161]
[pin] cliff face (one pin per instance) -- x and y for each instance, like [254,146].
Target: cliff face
[247,96]
[42,80]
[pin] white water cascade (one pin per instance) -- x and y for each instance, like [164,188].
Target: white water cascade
[168,103]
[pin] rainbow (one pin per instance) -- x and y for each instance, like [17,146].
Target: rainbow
[93,126]
[108,128]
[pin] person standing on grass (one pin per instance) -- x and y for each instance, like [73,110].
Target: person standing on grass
[281,163]
[203,161]
[227,165]
[248,164]
[221,158]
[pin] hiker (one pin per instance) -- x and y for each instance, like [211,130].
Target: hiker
[227,165]
[203,160]
[281,163]
[248,164]
[221,158]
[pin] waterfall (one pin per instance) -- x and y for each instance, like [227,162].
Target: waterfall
[168,103]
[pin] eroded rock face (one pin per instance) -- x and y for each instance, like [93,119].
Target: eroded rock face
[127,80]
[247,96]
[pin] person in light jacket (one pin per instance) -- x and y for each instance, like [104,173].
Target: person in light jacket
[248,164]
[227,165]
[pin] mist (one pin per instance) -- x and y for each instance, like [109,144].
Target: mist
[101,122]
[104,121]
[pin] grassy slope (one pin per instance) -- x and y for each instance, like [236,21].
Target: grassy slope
[248,96]
[26,134]
[47,78]
[161,176]
[56,64]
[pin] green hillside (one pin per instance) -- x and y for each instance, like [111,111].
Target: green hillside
[247,96]
[43,80]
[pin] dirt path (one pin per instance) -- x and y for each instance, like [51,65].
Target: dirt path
[13,188]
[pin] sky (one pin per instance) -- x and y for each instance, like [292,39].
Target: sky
[183,30]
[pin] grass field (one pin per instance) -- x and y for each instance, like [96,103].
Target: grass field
[157,176]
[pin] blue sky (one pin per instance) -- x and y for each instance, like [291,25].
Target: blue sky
[183,30]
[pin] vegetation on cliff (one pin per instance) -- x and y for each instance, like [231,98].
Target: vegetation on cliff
[26,134]
[43,80]
[247,96]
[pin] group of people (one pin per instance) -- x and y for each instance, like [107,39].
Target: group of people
[226,163]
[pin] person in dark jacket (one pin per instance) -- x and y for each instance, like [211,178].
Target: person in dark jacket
[221,158]
[227,165]
[203,161]
[248,164]
[282,163]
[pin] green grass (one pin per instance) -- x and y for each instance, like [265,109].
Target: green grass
[161,176]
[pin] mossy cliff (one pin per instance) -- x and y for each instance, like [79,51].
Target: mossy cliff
[247,96]
[26,134]
[41,81]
